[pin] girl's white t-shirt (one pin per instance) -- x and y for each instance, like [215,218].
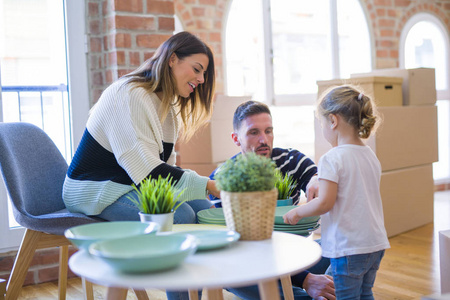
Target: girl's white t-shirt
[355,224]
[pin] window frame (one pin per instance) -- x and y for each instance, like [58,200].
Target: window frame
[76,48]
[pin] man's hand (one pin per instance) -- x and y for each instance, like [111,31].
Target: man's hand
[319,286]
[312,189]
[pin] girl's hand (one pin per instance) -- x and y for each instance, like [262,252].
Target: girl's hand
[291,217]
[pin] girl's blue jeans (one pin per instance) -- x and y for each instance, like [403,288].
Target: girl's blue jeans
[354,275]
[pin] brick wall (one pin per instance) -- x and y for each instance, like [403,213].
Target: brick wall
[122,34]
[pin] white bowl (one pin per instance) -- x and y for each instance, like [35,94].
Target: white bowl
[145,253]
[83,236]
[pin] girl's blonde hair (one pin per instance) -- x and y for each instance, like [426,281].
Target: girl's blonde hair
[356,108]
[155,75]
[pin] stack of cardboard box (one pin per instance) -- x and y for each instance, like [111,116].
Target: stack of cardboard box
[406,143]
[212,145]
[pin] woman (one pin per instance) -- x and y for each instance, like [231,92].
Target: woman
[132,130]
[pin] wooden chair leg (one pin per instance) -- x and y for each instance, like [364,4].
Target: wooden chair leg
[63,270]
[2,289]
[214,294]
[88,289]
[141,294]
[22,263]
[286,283]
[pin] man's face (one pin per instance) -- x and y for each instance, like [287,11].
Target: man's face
[255,134]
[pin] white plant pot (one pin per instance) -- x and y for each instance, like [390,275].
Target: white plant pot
[165,221]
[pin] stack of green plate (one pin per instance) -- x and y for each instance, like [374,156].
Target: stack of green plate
[211,216]
[304,227]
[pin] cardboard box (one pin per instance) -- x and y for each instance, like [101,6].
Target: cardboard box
[385,91]
[444,255]
[407,137]
[213,143]
[419,85]
[408,197]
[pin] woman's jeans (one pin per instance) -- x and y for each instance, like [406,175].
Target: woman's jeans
[125,210]
[354,275]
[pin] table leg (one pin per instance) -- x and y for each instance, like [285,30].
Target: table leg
[268,290]
[115,293]
[193,295]
[214,294]
[286,283]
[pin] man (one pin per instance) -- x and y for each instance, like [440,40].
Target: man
[253,131]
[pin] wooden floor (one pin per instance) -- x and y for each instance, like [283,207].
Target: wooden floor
[409,270]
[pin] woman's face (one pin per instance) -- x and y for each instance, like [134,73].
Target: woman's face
[188,72]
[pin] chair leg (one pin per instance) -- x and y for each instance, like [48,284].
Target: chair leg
[88,289]
[22,263]
[63,267]
[2,289]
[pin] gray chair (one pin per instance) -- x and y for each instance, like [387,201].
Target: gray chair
[34,170]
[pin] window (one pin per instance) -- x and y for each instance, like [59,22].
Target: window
[424,43]
[34,79]
[276,51]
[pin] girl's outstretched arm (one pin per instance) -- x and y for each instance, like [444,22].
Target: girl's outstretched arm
[318,206]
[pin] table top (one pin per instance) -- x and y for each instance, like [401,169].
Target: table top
[240,264]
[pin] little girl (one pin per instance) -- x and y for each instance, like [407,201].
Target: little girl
[353,233]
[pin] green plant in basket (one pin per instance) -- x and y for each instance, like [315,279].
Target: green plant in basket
[284,184]
[157,196]
[246,173]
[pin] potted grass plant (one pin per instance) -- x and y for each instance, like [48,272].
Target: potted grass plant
[285,185]
[248,194]
[157,200]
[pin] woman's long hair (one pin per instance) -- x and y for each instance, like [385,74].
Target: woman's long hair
[155,75]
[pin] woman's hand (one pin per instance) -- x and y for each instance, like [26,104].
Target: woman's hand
[211,188]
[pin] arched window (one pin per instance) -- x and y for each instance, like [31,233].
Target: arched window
[276,51]
[424,43]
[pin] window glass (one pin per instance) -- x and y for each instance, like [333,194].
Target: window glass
[301,47]
[244,49]
[354,41]
[425,47]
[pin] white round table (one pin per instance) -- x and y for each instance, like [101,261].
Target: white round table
[240,264]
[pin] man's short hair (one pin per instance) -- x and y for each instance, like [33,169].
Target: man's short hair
[247,109]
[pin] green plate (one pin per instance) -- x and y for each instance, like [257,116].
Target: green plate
[212,214]
[83,236]
[280,211]
[145,253]
[213,239]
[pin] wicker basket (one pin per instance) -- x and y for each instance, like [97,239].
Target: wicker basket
[251,214]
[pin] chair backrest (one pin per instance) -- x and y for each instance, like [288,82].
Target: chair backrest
[33,169]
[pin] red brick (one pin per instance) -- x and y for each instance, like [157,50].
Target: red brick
[93,9]
[198,11]
[94,27]
[382,2]
[48,274]
[386,33]
[128,5]
[150,41]
[402,3]
[386,22]
[97,78]
[148,55]
[95,44]
[208,2]
[123,40]
[160,7]
[30,278]
[382,53]
[121,59]
[393,53]
[135,58]
[6,263]
[166,24]
[134,22]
